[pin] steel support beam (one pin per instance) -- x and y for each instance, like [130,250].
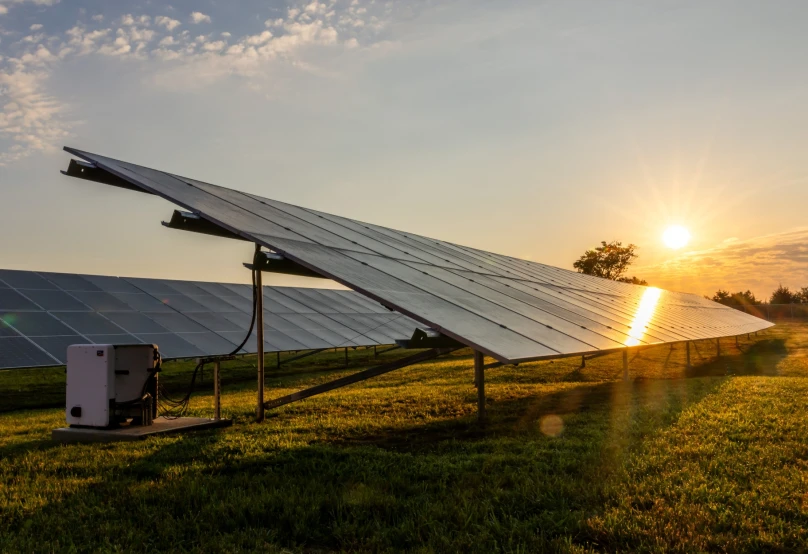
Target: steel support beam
[299,356]
[687,351]
[217,390]
[625,364]
[376,353]
[187,221]
[718,347]
[479,378]
[259,314]
[357,377]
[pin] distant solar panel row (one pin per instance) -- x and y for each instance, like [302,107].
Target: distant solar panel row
[41,314]
[511,309]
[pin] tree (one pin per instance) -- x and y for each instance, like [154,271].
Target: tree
[735,299]
[633,281]
[802,296]
[609,261]
[783,295]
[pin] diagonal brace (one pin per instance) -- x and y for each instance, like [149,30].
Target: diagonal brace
[357,377]
[300,356]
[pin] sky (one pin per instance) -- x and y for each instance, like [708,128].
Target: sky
[529,128]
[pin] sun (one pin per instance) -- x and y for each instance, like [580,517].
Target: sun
[676,237]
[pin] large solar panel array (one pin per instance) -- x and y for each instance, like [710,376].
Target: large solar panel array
[508,308]
[41,314]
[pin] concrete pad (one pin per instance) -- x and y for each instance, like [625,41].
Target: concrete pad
[161,425]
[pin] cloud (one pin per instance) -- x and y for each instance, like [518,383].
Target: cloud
[3,10]
[199,17]
[759,264]
[167,22]
[33,120]
[30,119]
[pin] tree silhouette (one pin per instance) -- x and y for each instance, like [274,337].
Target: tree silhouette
[783,295]
[735,299]
[610,261]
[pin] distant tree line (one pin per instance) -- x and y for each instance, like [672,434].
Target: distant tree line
[781,295]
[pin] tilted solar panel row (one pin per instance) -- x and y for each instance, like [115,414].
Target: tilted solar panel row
[42,313]
[513,310]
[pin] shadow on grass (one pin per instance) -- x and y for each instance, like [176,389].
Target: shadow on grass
[759,358]
[439,486]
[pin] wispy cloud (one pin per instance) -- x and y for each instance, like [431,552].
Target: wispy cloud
[199,17]
[32,120]
[760,264]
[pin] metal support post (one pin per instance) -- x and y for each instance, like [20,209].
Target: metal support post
[583,361]
[736,341]
[625,364]
[375,352]
[259,314]
[718,347]
[479,377]
[346,356]
[217,390]
[687,350]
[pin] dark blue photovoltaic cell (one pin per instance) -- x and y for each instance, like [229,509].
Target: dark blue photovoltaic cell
[142,302]
[135,323]
[35,324]
[101,301]
[114,339]
[89,323]
[20,352]
[170,342]
[25,280]
[69,282]
[55,300]
[184,318]
[10,299]
[57,346]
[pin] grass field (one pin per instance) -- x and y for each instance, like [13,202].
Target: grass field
[714,458]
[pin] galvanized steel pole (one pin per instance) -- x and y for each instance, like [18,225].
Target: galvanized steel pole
[479,378]
[718,347]
[217,390]
[625,364]
[687,349]
[259,314]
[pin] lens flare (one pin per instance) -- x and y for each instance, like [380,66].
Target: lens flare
[551,425]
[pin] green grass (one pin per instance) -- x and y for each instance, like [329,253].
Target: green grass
[572,460]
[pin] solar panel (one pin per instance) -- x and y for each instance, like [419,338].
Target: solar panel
[511,309]
[41,314]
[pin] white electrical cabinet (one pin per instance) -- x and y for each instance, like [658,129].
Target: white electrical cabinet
[109,385]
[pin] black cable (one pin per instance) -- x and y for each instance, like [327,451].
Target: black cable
[183,403]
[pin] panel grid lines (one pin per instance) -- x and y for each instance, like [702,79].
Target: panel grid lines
[180,326]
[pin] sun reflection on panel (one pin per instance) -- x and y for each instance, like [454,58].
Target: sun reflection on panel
[644,314]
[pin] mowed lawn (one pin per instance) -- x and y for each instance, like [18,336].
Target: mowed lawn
[572,460]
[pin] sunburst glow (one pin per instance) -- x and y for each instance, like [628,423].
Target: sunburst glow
[643,316]
[676,237]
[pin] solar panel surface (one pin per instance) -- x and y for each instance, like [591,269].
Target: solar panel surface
[41,314]
[511,309]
